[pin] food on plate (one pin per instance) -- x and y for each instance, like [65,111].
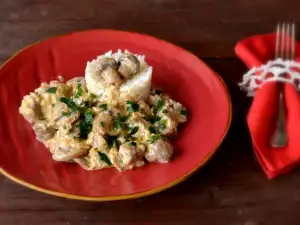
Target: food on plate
[109,118]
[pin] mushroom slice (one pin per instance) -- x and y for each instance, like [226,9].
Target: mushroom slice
[65,148]
[106,62]
[129,65]
[100,74]
[110,76]
[61,115]
[107,70]
[42,131]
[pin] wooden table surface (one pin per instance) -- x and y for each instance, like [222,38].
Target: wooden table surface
[231,188]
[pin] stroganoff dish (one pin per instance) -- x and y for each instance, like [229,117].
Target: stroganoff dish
[110,117]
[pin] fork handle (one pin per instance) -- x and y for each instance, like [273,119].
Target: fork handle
[280,137]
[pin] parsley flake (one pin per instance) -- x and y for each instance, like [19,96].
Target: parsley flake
[154,138]
[103,157]
[111,141]
[132,143]
[118,122]
[132,107]
[153,119]
[103,106]
[93,96]
[89,116]
[133,130]
[162,124]
[152,130]
[70,103]
[78,91]
[159,105]
[86,123]
[52,90]
[66,113]
[183,112]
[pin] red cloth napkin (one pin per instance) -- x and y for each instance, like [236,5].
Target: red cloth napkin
[262,116]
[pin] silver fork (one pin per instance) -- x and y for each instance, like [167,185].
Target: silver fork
[285,49]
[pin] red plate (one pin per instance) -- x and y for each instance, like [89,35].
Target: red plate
[178,72]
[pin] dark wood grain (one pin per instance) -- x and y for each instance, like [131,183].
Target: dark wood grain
[231,188]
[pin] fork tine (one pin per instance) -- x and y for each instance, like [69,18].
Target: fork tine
[285,41]
[282,41]
[293,41]
[287,49]
[277,41]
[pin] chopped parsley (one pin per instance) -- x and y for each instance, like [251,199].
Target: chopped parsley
[86,123]
[165,111]
[133,130]
[53,105]
[152,130]
[88,103]
[93,96]
[132,107]
[89,116]
[153,119]
[118,122]
[183,112]
[125,126]
[132,143]
[66,113]
[154,138]
[78,91]
[103,106]
[111,141]
[159,105]
[86,118]
[52,90]
[102,123]
[103,157]
[70,103]
[162,124]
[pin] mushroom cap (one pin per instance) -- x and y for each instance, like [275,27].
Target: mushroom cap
[129,65]
[105,63]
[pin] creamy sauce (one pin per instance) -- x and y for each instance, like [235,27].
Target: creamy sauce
[109,118]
